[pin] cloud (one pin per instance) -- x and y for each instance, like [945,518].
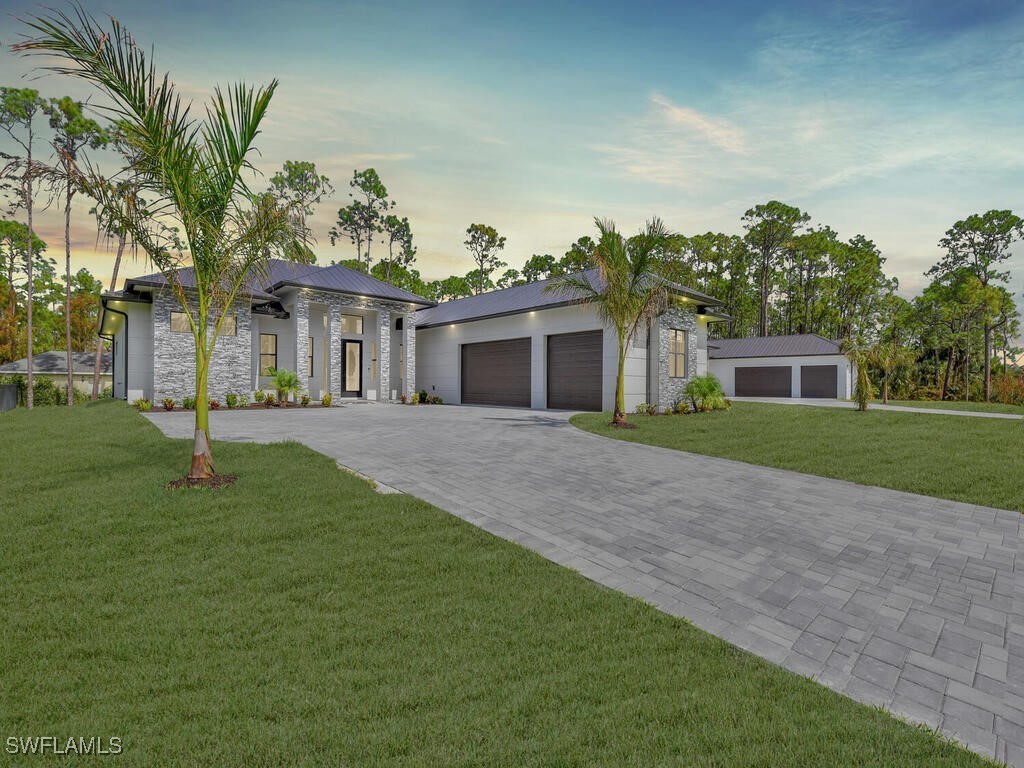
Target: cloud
[716,131]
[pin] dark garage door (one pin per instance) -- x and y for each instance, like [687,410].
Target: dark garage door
[496,373]
[574,371]
[765,381]
[818,380]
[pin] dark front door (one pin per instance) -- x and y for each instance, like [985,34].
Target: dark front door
[351,368]
[574,371]
[818,380]
[764,381]
[496,373]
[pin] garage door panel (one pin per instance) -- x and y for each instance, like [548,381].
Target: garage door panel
[496,373]
[764,381]
[819,381]
[574,365]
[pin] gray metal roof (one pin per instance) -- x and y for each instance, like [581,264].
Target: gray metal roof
[282,273]
[187,276]
[521,298]
[56,362]
[799,345]
[339,279]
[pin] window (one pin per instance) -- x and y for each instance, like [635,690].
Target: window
[352,324]
[311,357]
[268,352]
[179,323]
[677,343]
[230,326]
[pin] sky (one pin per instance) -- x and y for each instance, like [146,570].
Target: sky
[890,119]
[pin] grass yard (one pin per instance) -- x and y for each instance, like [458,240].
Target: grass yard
[979,461]
[298,618]
[958,405]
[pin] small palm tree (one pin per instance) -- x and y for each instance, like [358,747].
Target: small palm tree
[627,294]
[860,358]
[199,212]
[286,383]
[890,359]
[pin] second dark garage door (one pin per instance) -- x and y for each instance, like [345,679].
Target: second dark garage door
[496,373]
[764,381]
[818,380]
[574,371]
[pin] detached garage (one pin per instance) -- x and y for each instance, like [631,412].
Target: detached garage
[804,365]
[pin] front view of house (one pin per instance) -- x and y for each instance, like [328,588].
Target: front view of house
[357,337]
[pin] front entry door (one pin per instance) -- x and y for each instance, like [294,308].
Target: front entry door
[351,368]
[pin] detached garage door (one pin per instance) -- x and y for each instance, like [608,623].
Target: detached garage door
[818,380]
[496,373]
[574,371]
[765,381]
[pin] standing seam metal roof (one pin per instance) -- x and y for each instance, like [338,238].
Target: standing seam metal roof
[799,345]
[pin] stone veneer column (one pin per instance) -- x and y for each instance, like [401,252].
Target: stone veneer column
[409,346]
[301,315]
[670,390]
[384,354]
[334,363]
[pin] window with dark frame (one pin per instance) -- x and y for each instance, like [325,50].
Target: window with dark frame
[311,357]
[677,353]
[268,352]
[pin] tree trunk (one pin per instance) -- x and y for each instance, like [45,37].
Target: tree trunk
[99,342]
[988,361]
[619,416]
[29,377]
[67,294]
[948,374]
[885,390]
[202,457]
[762,326]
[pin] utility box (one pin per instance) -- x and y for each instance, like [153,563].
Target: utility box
[8,397]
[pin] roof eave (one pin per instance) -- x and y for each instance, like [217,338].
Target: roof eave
[420,301]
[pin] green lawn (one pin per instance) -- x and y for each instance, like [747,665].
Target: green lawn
[300,619]
[974,460]
[958,405]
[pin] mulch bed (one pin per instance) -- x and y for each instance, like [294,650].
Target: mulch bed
[257,407]
[217,481]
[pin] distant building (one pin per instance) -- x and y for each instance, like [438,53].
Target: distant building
[53,366]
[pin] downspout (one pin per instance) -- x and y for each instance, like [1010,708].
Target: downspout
[110,336]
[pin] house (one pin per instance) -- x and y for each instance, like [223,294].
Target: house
[803,365]
[357,337]
[54,366]
[343,331]
[532,347]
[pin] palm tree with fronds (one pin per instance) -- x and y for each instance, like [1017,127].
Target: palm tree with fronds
[199,212]
[890,358]
[627,293]
[859,356]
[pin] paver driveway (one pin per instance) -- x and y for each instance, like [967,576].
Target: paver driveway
[894,599]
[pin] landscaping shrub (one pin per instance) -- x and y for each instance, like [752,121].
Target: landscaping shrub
[325,401]
[142,404]
[231,400]
[415,398]
[214,405]
[304,401]
[423,395]
[285,382]
[705,393]
[646,409]
[243,400]
[168,403]
[270,401]
[259,396]
[188,403]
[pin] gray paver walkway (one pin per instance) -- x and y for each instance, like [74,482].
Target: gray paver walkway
[822,403]
[894,599]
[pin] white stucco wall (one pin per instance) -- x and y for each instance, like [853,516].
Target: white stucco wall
[439,358]
[725,370]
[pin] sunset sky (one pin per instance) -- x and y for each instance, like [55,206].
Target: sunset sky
[892,119]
